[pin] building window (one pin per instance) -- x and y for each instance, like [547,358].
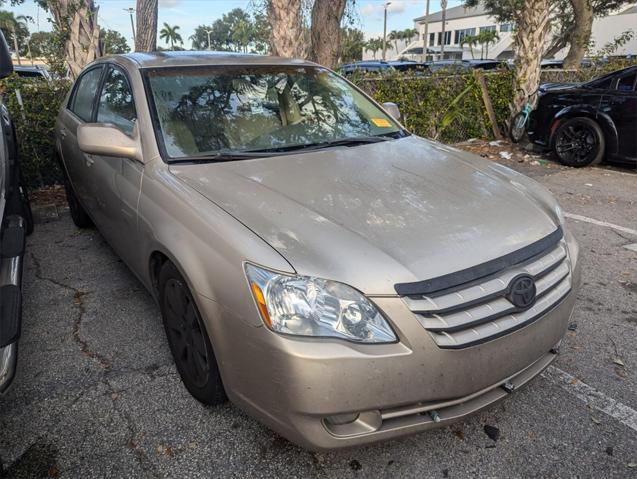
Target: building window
[460,34]
[490,28]
[506,27]
[447,38]
[432,39]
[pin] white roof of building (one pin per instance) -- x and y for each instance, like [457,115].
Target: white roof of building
[629,10]
[454,13]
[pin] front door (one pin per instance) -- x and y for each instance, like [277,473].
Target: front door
[117,181]
[621,105]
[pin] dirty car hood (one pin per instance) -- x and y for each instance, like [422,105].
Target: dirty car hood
[375,215]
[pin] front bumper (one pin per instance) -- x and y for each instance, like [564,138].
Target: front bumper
[294,385]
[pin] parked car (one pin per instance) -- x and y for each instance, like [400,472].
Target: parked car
[584,123]
[416,68]
[465,65]
[340,279]
[371,66]
[16,223]
[34,72]
[553,64]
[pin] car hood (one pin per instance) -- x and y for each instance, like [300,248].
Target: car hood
[544,87]
[375,215]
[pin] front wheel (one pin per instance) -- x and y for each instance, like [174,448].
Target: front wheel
[518,127]
[188,339]
[579,142]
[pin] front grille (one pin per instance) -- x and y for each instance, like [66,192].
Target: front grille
[479,311]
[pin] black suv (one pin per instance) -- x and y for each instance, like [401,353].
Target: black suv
[16,223]
[583,123]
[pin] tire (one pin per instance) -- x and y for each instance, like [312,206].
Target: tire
[517,129]
[188,339]
[80,217]
[27,214]
[579,142]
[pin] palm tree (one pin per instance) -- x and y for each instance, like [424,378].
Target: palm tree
[409,34]
[471,41]
[22,22]
[486,37]
[9,23]
[395,36]
[170,35]
[373,45]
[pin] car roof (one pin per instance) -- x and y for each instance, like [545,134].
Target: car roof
[197,58]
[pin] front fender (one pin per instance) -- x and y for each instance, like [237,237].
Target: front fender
[206,244]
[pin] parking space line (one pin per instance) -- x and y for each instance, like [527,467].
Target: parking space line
[593,221]
[591,396]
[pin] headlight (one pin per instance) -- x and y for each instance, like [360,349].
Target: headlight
[560,215]
[307,306]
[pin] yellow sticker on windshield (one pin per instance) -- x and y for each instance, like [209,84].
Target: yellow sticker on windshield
[381,122]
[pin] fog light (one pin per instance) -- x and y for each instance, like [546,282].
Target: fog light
[342,419]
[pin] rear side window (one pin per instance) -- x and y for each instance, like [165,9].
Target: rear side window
[627,83]
[84,94]
[116,104]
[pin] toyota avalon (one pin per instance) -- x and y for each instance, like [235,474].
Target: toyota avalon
[337,277]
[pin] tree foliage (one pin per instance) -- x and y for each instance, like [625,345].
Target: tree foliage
[170,34]
[236,31]
[113,42]
[352,44]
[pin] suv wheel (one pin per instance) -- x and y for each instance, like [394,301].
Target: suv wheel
[579,142]
[188,339]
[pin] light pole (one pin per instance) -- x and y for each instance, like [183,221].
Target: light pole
[425,35]
[443,5]
[130,11]
[209,32]
[387,4]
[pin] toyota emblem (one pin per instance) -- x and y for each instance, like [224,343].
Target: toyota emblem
[522,291]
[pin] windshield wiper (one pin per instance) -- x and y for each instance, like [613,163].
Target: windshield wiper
[221,155]
[356,140]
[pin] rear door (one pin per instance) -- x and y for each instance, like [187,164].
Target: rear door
[80,109]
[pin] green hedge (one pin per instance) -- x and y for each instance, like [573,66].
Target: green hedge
[447,108]
[34,122]
[442,107]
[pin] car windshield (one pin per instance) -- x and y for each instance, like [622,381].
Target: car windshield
[211,111]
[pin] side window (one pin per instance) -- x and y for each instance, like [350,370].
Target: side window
[82,102]
[627,82]
[116,103]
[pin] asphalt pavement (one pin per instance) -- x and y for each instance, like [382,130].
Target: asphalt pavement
[97,394]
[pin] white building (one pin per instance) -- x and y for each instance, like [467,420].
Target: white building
[461,21]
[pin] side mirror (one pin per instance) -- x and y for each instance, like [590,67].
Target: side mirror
[108,140]
[392,109]
[6,65]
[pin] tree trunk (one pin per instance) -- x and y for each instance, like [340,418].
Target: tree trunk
[532,26]
[15,45]
[581,34]
[325,33]
[146,20]
[286,38]
[77,20]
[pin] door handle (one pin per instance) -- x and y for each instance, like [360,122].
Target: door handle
[62,133]
[89,160]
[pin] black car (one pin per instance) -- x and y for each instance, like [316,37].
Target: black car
[583,123]
[34,72]
[365,66]
[16,222]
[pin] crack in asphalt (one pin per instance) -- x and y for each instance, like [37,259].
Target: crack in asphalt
[78,299]
[134,437]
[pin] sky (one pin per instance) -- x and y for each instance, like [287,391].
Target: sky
[188,14]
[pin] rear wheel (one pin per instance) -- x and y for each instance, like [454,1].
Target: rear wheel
[579,142]
[518,127]
[188,339]
[80,217]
